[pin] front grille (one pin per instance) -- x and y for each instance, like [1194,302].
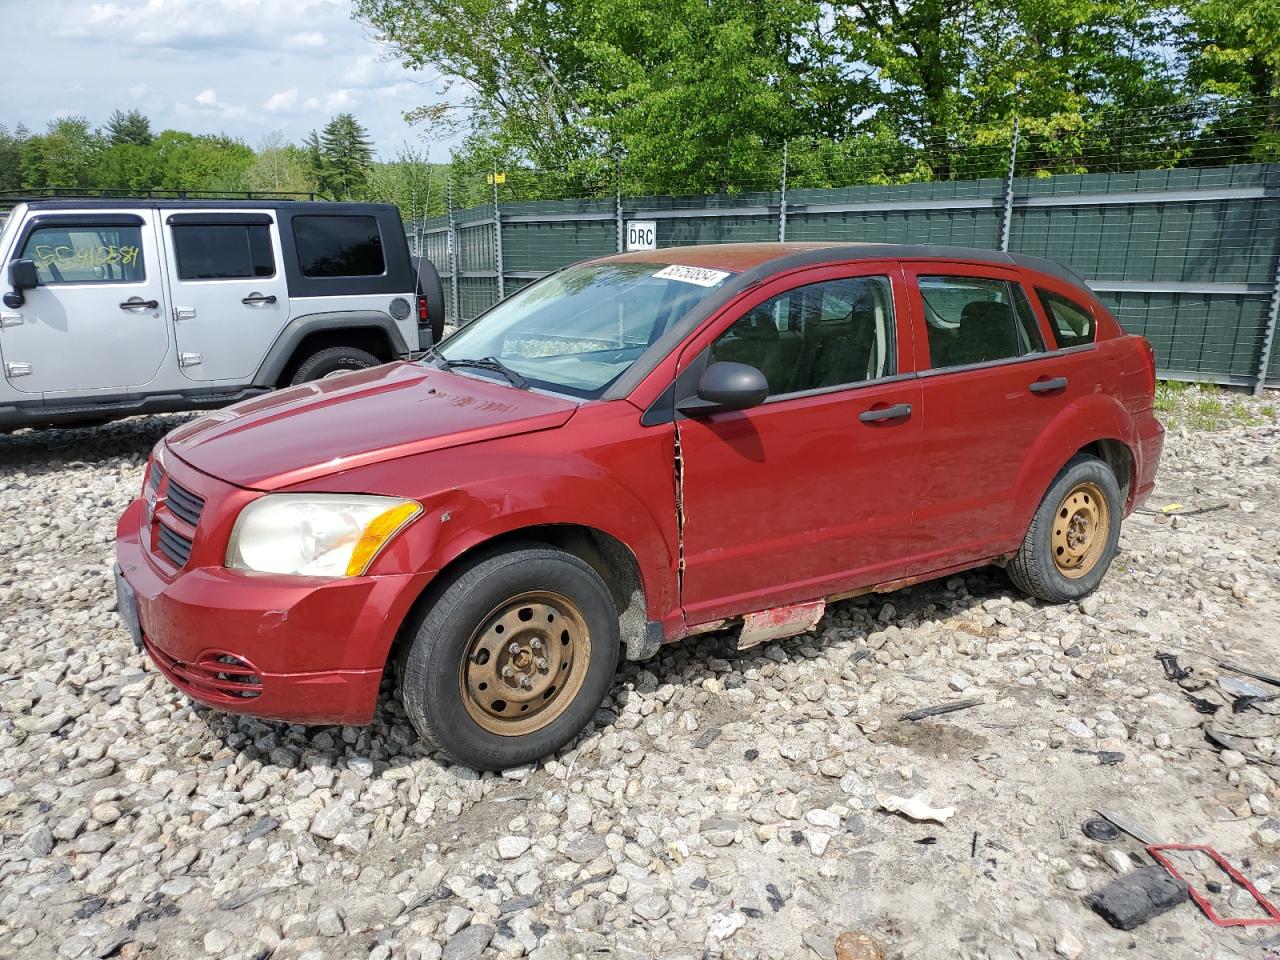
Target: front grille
[214,676]
[183,503]
[175,547]
[157,474]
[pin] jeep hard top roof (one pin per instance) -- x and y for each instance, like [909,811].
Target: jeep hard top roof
[158,203]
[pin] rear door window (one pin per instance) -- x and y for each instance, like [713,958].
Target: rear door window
[223,251]
[335,246]
[977,320]
[826,334]
[66,253]
[1072,324]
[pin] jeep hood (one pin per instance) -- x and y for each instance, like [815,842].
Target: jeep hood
[331,425]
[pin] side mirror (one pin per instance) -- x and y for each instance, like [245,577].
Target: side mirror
[726,386]
[22,277]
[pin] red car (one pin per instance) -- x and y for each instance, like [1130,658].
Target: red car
[630,451]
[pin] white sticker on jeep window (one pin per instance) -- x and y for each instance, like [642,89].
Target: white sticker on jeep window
[699,275]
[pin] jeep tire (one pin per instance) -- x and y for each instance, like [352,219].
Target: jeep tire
[332,360]
[511,657]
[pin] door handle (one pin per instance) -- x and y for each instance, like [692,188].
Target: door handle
[896,412]
[253,298]
[137,303]
[1049,386]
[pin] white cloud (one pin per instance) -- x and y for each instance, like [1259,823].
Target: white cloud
[208,98]
[281,102]
[308,40]
[311,103]
[342,99]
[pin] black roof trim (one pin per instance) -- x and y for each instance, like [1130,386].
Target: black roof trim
[125,203]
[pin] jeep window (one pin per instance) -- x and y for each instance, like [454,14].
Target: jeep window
[1072,324]
[69,254]
[223,251]
[821,335]
[330,246]
[973,320]
[578,330]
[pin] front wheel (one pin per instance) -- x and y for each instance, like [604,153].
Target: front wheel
[512,659]
[1073,536]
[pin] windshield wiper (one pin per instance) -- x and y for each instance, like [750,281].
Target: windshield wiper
[489,363]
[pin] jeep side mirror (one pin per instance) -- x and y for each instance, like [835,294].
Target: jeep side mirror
[22,277]
[726,386]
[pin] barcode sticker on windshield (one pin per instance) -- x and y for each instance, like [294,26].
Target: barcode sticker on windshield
[699,275]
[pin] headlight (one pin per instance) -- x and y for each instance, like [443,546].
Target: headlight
[316,534]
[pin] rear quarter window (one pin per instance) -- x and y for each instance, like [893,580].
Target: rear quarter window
[1073,325]
[339,246]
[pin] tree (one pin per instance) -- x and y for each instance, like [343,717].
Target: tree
[11,156]
[347,154]
[410,182]
[132,127]
[61,158]
[278,167]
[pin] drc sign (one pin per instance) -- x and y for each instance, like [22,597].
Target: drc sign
[642,235]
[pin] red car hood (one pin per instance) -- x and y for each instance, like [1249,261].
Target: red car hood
[335,424]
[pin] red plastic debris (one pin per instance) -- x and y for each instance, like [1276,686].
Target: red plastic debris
[1273,915]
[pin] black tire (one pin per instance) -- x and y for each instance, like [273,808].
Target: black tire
[1033,569]
[332,360]
[432,663]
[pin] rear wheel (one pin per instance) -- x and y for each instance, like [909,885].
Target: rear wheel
[1073,536]
[512,659]
[331,361]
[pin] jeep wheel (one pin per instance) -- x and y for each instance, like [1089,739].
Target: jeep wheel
[1072,538]
[512,659]
[331,360]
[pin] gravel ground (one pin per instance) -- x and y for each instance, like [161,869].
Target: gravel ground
[723,805]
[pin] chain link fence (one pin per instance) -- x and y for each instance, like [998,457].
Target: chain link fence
[1173,216]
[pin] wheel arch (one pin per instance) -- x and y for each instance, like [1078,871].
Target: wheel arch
[611,558]
[371,331]
[1097,425]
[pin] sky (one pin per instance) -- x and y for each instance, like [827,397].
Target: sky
[246,68]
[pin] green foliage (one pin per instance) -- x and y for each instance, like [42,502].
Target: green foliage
[132,127]
[698,95]
[347,156]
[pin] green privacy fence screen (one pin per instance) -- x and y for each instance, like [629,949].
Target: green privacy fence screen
[1187,257]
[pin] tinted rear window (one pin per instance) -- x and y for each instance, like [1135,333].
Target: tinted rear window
[1072,324]
[223,251]
[339,246]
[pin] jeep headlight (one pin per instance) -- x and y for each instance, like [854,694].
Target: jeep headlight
[316,534]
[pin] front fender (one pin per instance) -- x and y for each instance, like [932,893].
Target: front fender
[475,493]
[1085,420]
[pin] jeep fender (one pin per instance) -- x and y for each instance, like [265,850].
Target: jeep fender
[1086,420]
[299,328]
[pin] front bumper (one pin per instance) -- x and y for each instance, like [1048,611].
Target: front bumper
[287,648]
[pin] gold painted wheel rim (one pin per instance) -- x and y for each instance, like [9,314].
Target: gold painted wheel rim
[525,663]
[1081,528]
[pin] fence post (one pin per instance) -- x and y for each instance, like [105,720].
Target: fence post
[451,239]
[497,238]
[1269,335]
[782,204]
[617,202]
[1006,221]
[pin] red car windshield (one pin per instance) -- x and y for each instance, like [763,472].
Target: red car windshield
[578,330]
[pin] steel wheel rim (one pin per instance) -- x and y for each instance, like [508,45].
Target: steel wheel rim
[1081,529]
[525,663]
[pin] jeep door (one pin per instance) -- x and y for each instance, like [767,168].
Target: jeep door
[230,299]
[97,320]
[810,493]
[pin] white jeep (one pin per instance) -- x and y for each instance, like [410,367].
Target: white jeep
[120,307]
